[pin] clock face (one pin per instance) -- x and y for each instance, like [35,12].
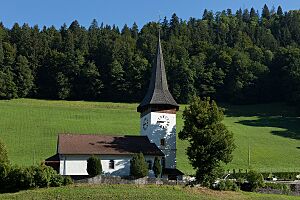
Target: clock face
[145,123]
[163,121]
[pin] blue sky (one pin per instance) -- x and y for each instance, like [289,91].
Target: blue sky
[119,12]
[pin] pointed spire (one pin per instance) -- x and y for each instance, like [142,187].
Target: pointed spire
[158,93]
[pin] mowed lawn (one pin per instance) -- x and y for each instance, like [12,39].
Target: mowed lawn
[137,192]
[30,127]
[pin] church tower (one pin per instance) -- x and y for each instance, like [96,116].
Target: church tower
[158,112]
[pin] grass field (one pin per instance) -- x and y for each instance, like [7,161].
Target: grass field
[137,192]
[29,128]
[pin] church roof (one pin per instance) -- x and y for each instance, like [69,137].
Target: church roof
[158,92]
[82,144]
[172,171]
[54,158]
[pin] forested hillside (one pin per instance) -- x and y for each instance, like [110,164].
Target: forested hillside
[238,57]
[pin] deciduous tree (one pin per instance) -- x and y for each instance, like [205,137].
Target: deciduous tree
[210,142]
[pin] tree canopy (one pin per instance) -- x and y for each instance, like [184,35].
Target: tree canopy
[230,56]
[210,143]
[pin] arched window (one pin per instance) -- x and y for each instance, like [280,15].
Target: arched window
[111,164]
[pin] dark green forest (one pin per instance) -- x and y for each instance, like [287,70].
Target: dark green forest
[241,57]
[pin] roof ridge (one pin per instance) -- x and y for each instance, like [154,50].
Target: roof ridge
[100,134]
[85,144]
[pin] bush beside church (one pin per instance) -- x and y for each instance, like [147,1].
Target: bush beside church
[15,178]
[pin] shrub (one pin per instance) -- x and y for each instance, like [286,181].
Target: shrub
[237,175]
[157,167]
[27,178]
[4,170]
[210,178]
[43,175]
[235,187]
[19,179]
[227,185]
[277,186]
[57,180]
[284,188]
[3,153]
[285,175]
[138,166]
[255,180]
[22,178]
[13,179]
[240,180]
[94,166]
[67,180]
[221,185]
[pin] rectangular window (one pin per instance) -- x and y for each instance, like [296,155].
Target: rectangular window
[149,164]
[111,164]
[162,142]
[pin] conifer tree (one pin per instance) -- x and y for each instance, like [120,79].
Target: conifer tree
[138,166]
[252,13]
[157,167]
[266,12]
[23,76]
[94,166]
[246,15]
[100,63]
[205,14]
[279,11]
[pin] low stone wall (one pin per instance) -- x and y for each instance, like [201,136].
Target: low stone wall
[295,188]
[119,180]
[293,185]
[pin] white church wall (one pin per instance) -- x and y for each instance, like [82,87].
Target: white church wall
[121,165]
[73,165]
[77,164]
[170,156]
[155,133]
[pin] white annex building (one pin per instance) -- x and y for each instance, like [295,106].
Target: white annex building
[158,136]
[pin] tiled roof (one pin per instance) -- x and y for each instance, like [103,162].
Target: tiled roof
[81,144]
[158,92]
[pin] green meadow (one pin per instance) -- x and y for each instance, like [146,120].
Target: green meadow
[269,133]
[137,192]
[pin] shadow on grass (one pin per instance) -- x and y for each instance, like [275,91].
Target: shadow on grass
[269,115]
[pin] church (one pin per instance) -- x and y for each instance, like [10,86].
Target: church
[157,136]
